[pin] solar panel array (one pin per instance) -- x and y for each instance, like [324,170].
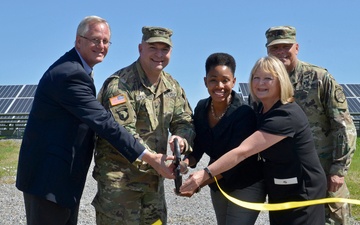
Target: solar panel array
[352,93]
[16,99]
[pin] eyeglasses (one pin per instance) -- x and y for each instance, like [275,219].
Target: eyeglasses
[97,41]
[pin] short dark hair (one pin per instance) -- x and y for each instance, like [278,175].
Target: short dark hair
[220,58]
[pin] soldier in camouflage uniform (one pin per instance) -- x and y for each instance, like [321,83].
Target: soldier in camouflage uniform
[325,105]
[149,103]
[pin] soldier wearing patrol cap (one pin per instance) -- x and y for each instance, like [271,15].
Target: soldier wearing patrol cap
[157,34]
[325,105]
[149,103]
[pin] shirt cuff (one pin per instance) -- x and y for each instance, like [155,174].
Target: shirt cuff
[142,154]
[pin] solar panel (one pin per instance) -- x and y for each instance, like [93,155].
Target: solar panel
[28,91]
[21,106]
[9,91]
[354,88]
[356,117]
[4,105]
[353,104]
[347,91]
[16,99]
[244,89]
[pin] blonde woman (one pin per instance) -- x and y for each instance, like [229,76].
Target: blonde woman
[292,170]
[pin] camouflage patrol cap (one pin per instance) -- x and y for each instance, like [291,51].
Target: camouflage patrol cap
[157,34]
[280,35]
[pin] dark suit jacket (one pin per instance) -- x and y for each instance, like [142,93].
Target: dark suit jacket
[59,138]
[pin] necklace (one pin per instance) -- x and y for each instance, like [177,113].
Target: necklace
[213,112]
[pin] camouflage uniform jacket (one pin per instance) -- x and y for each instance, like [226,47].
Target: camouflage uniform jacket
[325,105]
[149,113]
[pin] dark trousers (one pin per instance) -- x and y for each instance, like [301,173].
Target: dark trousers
[40,211]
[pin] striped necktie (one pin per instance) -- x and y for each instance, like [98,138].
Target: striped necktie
[91,74]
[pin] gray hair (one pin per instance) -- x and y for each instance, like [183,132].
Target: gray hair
[84,25]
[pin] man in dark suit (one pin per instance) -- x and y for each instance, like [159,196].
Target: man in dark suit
[59,138]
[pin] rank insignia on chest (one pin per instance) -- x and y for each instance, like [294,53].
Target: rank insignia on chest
[116,100]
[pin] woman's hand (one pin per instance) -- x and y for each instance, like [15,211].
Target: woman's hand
[191,185]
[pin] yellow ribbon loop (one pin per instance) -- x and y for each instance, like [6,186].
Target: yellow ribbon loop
[284,205]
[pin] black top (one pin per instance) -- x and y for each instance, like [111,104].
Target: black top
[236,125]
[292,168]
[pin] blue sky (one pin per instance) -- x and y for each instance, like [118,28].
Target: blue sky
[36,33]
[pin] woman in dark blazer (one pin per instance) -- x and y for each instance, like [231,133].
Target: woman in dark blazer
[222,121]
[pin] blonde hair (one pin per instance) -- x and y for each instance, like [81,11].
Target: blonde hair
[271,64]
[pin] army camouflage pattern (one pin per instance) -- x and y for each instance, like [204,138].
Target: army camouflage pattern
[324,103]
[280,35]
[339,213]
[157,34]
[149,113]
[334,132]
[128,211]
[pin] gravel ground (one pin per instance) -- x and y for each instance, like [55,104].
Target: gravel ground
[181,211]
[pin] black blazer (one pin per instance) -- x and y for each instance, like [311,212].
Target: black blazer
[238,123]
[59,138]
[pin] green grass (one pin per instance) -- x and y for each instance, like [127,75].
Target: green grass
[9,151]
[353,180]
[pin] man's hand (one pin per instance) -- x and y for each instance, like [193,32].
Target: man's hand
[184,167]
[158,162]
[335,182]
[181,143]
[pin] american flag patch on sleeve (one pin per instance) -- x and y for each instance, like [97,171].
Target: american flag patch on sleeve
[116,100]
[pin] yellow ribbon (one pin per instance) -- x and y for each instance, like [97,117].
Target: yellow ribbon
[284,205]
[157,222]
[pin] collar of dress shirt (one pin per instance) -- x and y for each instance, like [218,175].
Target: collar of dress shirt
[87,68]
